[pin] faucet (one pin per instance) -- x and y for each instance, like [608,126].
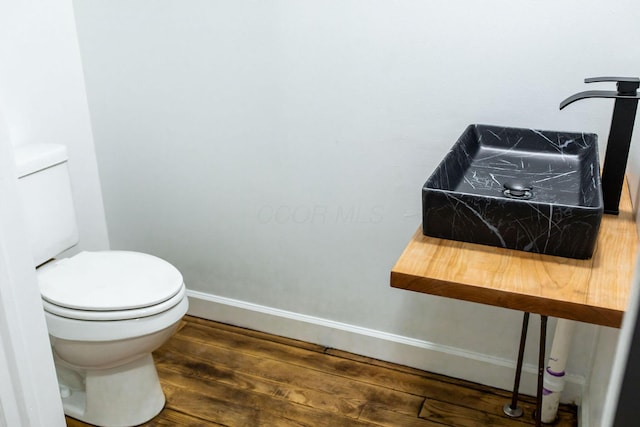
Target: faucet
[624,114]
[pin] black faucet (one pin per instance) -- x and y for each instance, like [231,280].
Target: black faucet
[624,114]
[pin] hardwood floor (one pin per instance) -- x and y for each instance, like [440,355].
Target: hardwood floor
[219,375]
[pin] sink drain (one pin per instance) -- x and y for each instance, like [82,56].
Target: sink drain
[517,190]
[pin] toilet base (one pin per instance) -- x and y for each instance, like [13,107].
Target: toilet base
[123,396]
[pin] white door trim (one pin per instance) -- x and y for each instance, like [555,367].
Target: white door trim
[29,389]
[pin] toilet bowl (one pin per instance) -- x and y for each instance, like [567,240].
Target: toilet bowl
[106,312]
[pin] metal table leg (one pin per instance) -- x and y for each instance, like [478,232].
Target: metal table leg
[512,409]
[543,339]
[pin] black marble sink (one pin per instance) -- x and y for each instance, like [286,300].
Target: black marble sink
[525,189]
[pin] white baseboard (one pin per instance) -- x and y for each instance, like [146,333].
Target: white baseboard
[455,362]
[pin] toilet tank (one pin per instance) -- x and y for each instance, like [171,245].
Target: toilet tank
[45,190]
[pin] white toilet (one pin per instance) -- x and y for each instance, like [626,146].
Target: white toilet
[105,311]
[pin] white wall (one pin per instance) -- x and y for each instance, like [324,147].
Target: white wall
[274,150]
[43,98]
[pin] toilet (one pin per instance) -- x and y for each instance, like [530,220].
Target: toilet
[106,311]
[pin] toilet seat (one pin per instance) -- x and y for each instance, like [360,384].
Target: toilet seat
[109,285]
[104,315]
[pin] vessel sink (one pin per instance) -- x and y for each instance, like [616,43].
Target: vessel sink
[524,189]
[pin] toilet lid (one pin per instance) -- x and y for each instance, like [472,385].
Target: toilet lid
[109,281]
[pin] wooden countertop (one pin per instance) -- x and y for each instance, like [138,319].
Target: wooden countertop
[592,291]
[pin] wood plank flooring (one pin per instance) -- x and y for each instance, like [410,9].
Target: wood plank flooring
[219,375]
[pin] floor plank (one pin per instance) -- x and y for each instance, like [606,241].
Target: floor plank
[264,374]
[237,407]
[220,375]
[167,418]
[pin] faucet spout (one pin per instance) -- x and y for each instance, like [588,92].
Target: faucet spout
[624,114]
[588,94]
